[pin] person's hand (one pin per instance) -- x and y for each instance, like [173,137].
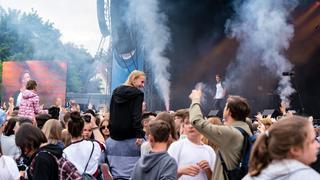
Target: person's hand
[261,127]
[191,170]
[90,106]
[195,94]
[11,100]
[92,120]
[283,107]
[259,116]
[139,141]
[289,114]
[62,109]
[181,129]
[4,105]
[204,164]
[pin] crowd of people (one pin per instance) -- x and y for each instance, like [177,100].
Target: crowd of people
[129,142]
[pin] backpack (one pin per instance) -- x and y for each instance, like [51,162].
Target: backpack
[67,171]
[242,167]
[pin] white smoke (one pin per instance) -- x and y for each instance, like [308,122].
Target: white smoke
[263,32]
[151,24]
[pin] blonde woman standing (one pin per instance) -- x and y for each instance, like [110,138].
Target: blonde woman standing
[126,131]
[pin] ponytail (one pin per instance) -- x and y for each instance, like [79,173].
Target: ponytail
[259,157]
[276,142]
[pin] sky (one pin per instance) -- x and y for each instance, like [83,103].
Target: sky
[76,19]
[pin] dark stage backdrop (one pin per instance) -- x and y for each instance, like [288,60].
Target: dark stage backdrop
[200,49]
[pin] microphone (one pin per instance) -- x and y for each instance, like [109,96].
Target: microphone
[288,73]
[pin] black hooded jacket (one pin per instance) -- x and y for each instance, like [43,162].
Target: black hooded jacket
[125,113]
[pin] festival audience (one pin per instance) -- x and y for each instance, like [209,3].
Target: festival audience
[84,154]
[157,164]
[195,159]
[227,137]
[167,117]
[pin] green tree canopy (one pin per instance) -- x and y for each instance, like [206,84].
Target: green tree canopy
[25,36]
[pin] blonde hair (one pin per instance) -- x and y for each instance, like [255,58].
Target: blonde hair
[52,130]
[135,74]
[267,122]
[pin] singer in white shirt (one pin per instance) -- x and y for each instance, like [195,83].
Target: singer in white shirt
[220,93]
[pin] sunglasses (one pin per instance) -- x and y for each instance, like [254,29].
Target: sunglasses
[103,127]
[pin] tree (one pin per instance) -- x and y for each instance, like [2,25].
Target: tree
[25,36]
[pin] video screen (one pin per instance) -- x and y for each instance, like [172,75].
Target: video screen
[49,75]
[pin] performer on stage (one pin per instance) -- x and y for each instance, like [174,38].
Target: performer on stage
[220,93]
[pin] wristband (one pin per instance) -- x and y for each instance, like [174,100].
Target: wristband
[94,128]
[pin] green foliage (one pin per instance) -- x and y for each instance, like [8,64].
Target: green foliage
[25,36]
[12,46]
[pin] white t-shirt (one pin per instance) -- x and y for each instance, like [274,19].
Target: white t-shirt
[187,153]
[19,99]
[78,153]
[8,168]
[9,146]
[145,148]
[219,91]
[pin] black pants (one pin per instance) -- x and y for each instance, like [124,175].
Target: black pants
[218,104]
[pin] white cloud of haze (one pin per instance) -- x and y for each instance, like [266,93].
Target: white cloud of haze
[263,32]
[151,24]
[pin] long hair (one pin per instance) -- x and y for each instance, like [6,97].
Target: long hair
[276,142]
[52,130]
[135,74]
[29,137]
[8,130]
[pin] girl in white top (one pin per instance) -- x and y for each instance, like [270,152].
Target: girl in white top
[79,151]
[284,151]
